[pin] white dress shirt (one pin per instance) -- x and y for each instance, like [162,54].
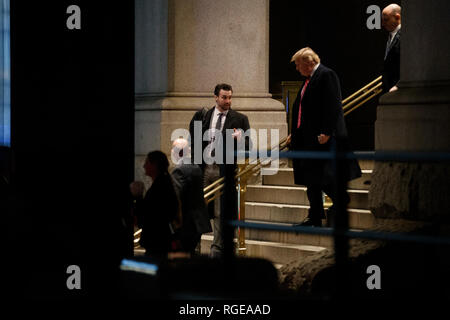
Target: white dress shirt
[393,33]
[215,117]
[314,70]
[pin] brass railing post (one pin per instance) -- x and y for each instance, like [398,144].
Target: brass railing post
[242,249]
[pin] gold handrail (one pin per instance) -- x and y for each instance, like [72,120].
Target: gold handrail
[376,92]
[365,94]
[206,189]
[360,90]
[218,194]
[216,189]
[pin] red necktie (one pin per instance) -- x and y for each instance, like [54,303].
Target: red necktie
[300,105]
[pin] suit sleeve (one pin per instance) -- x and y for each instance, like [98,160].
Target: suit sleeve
[179,181]
[245,127]
[331,103]
[172,203]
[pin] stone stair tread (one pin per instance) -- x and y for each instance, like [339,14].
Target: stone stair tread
[276,187]
[297,195]
[292,170]
[279,253]
[287,224]
[285,177]
[302,247]
[358,191]
[296,206]
[294,213]
[289,237]
[363,163]
[278,205]
[262,186]
[286,169]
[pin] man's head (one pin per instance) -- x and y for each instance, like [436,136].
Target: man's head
[305,60]
[392,17]
[222,94]
[180,150]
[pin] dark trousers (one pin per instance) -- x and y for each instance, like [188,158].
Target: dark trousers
[314,193]
[211,174]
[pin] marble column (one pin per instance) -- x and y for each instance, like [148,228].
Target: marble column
[183,49]
[416,118]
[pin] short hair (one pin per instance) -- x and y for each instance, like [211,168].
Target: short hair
[159,158]
[222,86]
[306,54]
[395,8]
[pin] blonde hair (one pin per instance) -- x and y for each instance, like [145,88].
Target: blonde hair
[306,54]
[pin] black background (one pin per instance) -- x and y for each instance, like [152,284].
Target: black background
[72,120]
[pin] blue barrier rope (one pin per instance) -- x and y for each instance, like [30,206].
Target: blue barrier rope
[364,155]
[371,235]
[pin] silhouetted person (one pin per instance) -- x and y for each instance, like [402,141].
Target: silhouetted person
[157,212]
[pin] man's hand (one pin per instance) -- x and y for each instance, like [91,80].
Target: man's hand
[288,140]
[323,138]
[237,134]
[394,88]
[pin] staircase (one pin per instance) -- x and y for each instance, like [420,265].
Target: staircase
[278,200]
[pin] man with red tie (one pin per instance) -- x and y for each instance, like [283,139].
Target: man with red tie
[317,121]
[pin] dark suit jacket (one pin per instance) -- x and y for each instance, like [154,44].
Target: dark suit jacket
[154,212]
[188,181]
[233,120]
[391,66]
[321,113]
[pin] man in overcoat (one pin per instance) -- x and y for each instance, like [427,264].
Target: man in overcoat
[317,124]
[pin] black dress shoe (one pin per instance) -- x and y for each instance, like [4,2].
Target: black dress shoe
[308,222]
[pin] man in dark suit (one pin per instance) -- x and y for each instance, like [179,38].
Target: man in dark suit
[317,122]
[391,67]
[188,182]
[216,122]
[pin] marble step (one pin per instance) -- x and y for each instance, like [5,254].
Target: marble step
[290,237]
[297,195]
[366,164]
[276,252]
[363,164]
[291,213]
[285,177]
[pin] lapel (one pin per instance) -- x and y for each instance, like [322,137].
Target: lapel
[396,39]
[228,120]
[206,124]
[394,42]
[312,82]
